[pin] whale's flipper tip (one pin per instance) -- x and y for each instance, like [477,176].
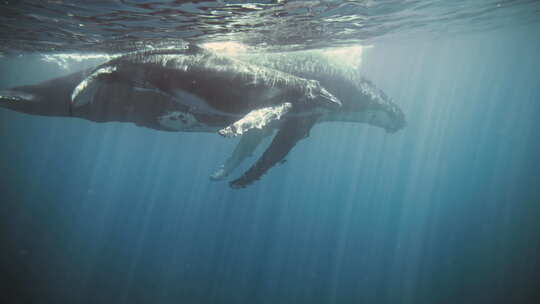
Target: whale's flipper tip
[236,184]
[219,174]
[291,132]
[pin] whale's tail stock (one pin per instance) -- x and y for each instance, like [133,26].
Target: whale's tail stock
[18,99]
[27,99]
[12,97]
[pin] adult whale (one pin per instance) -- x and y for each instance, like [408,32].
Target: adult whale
[362,102]
[191,89]
[185,89]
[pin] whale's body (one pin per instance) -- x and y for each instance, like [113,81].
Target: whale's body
[194,90]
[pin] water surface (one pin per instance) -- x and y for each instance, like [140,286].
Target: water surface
[444,211]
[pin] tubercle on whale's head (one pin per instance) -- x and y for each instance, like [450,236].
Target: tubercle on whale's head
[323,99]
[382,111]
[390,119]
[332,100]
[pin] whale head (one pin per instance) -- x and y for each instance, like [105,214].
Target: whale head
[363,102]
[391,118]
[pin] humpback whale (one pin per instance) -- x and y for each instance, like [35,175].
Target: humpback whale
[206,83]
[362,102]
[194,90]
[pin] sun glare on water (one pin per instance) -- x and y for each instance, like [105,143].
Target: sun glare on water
[227,48]
[350,56]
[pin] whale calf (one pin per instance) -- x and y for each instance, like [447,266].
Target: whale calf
[206,83]
[194,90]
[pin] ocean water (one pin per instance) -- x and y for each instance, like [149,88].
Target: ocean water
[446,210]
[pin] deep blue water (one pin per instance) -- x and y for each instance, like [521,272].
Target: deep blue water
[444,211]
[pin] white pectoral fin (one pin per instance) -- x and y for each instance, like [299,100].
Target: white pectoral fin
[290,133]
[84,92]
[244,149]
[259,119]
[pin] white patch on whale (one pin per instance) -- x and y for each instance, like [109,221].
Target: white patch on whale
[259,119]
[181,121]
[84,91]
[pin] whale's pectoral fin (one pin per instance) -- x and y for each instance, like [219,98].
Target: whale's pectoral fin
[85,91]
[259,119]
[245,148]
[293,130]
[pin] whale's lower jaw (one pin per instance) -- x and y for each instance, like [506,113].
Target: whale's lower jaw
[381,118]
